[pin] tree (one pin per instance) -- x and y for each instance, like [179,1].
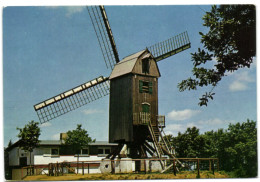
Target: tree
[231,41]
[29,137]
[78,138]
[188,144]
[10,143]
[239,148]
[235,147]
[8,171]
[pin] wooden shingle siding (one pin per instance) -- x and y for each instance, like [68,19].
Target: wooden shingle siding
[120,110]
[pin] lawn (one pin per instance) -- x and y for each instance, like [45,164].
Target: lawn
[130,176]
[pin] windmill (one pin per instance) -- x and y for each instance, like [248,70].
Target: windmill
[133,89]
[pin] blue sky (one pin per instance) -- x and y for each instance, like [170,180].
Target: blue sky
[48,50]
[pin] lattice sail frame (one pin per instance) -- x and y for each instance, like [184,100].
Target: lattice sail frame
[170,47]
[72,99]
[104,34]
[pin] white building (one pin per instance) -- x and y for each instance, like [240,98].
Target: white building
[54,151]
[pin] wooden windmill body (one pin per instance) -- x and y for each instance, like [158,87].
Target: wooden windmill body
[133,97]
[133,89]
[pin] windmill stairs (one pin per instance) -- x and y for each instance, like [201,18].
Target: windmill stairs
[161,145]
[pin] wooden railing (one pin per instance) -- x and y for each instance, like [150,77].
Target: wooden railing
[142,118]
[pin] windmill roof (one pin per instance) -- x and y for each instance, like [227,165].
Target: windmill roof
[126,65]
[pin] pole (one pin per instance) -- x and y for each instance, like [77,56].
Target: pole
[49,168]
[218,164]
[83,168]
[144,166]
[213,166]
[88,168]
[62,169]
[209,165]
[78,164]
[198,168]
[112,166]
[174,167]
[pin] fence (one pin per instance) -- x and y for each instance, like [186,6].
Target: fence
[137,165]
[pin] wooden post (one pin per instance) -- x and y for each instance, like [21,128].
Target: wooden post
[144,166]
[150,165]
[198,168]
[77,167]
[56,169]
[174,167]
[218,164]
[49,168]
[209,165]
[62,169]
[83,168]
[112,167]
[213,166]
[88,168]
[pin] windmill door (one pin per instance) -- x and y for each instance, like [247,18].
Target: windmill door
[145,114]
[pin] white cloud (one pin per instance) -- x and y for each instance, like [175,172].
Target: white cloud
[56,136]
[47,124]
[69,10]
[182,115]
[173,129]
[202,125]
[237,86]
[91,111]
[242,78]
[213,122]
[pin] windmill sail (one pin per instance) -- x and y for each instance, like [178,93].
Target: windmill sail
[170,47]
[72,99]
[104,34]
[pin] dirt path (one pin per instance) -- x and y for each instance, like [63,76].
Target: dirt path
[133,176]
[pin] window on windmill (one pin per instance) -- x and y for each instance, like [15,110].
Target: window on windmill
[145,87]
[145,66]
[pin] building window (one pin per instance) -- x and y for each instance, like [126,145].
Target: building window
[54,151]
[84,151]
[145,87]
[107,151]
[145,66]
[100,151]
[104,151]
[23,161]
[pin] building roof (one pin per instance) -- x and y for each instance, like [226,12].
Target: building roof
[50,142]
[103,143]
[126,65]
[59,142]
